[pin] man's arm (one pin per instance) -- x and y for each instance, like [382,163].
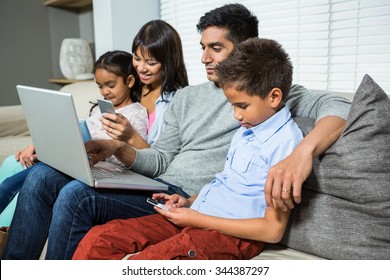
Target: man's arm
[287,176]
[330,112]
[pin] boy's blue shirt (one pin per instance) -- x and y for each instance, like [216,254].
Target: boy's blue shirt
[238,191]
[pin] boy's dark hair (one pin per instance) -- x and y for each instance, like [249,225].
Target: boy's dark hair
[121,64]
[236,18]
[256,66]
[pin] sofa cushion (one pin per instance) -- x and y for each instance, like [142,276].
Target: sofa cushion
[345,209]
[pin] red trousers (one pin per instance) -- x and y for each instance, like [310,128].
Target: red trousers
[158,239]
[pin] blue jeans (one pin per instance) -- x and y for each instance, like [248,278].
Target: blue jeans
[10,187]
[63,210]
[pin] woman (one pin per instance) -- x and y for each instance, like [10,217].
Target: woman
[158,60]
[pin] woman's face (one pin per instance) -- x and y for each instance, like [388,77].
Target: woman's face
[113,87]
[148,68]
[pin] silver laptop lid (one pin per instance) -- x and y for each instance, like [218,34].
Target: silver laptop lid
[51,118]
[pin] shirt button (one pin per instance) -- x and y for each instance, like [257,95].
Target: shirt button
[191,253]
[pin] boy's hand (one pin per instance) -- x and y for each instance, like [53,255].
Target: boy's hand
[172,201]
[181,217]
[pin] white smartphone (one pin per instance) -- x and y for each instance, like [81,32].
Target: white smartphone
[156,203]
[106,106]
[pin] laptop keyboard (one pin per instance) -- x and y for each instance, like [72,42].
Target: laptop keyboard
[99,173]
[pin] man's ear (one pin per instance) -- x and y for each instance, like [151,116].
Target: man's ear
[275,97]
[130,81]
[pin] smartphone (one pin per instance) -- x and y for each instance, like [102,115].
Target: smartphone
[156,203]
[106,106]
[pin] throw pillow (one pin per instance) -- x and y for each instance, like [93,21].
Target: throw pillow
[345,209]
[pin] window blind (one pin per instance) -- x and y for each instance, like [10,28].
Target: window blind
[332,43]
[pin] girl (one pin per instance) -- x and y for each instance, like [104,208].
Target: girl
[117,80]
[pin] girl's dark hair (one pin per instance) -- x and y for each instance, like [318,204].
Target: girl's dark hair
[120,63]
[161,41]
[240,23]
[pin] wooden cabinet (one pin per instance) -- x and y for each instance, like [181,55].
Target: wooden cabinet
[68,3]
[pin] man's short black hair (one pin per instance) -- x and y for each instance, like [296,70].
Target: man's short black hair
[235,18]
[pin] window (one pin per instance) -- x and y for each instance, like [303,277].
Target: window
[332,43]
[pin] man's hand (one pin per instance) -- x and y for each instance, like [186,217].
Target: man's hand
[285,179]
[98,150]
[27,157]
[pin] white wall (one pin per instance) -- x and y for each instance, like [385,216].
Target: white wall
[116,22]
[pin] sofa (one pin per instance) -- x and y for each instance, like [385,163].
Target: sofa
[345,212]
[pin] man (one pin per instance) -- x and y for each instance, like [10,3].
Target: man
[189,152]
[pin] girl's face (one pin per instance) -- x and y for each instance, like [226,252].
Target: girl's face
[113,87]
[148,68]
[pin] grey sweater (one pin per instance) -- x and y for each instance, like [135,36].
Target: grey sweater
[199,126]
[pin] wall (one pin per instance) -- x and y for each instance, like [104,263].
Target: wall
[31,36]
[116,22]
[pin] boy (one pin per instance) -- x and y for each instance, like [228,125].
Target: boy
[228,219]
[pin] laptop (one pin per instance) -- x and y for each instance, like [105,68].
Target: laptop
[56,133]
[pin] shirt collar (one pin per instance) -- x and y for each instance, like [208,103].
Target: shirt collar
[269,127]
[167,97]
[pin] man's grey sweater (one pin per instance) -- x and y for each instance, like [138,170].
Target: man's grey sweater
[199,125]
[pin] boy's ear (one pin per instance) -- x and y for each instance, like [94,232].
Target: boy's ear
[275,97]
[130,81]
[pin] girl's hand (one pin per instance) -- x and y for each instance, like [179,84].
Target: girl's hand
[117,127]
[181,217]
[27,157]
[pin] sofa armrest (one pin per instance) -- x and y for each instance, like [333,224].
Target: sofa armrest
[12,121]
[83,94]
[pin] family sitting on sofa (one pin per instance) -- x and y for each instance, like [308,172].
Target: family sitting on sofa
[338,174]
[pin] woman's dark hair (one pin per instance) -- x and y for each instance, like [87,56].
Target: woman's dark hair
[120,63]
[240,23]
[161,41]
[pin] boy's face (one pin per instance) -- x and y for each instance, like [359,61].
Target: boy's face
[215,48]
[249,110]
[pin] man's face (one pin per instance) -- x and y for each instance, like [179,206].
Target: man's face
[216,47]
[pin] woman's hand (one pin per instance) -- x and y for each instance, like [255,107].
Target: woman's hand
[117,127]
[27,157]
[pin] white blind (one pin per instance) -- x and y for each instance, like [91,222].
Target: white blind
[332,43]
